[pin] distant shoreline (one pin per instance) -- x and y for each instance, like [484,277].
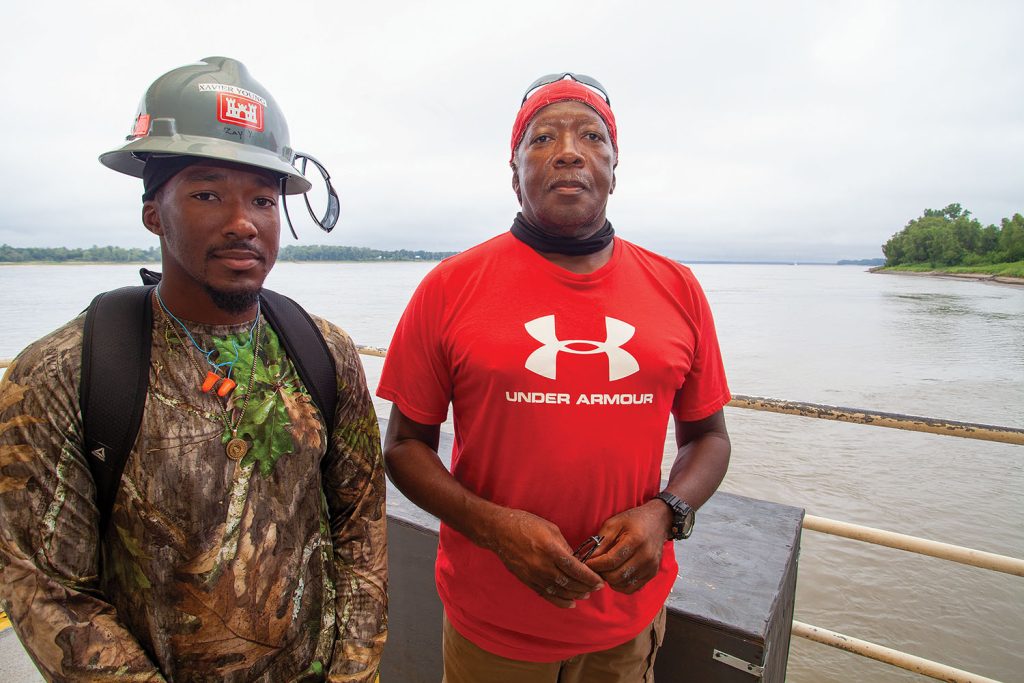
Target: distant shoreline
[110,255]
[411,260]
[977,277]
[157,263]
[79,263]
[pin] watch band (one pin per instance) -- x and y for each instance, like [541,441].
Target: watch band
[683,515]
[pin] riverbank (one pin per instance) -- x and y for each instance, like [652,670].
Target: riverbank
[978,277]
[80,263]
[156,264]
[320,253]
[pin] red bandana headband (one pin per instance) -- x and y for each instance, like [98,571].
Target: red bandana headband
[560,91]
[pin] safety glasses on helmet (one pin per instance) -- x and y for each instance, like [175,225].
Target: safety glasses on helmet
[332,210]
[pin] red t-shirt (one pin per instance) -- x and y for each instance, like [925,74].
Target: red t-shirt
[561,386]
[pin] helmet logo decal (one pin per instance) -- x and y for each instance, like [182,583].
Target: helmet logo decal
[237,106]
[239,111]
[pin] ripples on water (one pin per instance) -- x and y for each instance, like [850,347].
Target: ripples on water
[836,335]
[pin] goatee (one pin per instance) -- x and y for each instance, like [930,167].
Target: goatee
[233,302]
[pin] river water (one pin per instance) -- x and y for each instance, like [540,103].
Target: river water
[827,334]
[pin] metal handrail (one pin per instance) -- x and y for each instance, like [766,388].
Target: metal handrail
[913,423]
[886,655]
[821,411]
[946,551]
[921,546]
[913,544]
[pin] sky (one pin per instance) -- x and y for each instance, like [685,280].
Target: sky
[808,131]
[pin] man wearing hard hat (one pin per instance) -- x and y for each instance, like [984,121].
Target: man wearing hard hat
[191,485]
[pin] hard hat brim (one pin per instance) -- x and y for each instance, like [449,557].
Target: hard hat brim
[130,159]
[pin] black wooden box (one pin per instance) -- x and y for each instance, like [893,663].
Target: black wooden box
[729,614]
[731,610]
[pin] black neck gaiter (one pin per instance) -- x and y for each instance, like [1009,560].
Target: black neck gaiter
[541,241]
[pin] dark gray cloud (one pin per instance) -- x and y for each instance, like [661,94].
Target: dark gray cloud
[792,130]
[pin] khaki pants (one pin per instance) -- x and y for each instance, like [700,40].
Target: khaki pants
[631,662]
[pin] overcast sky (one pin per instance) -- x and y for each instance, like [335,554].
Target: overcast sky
[747,130]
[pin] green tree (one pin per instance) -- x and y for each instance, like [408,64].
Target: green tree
[942,237]
[1011,238]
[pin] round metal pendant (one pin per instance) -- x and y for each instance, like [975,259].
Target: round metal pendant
[237,448]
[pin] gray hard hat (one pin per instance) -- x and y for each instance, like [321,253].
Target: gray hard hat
[212,109]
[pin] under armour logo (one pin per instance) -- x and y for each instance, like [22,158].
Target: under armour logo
[542,361]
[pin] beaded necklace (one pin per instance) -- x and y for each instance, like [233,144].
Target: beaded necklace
[227,383]
[235,448]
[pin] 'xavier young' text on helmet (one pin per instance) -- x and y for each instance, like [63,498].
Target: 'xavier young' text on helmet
[211,109]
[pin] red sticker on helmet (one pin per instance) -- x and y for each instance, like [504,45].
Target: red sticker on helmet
[239,110]
[141,128]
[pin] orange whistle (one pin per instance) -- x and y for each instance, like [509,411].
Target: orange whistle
[210,382]
[226,387]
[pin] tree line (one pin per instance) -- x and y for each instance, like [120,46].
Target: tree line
[324,252]
[93,254]
[952,237]
[315,252]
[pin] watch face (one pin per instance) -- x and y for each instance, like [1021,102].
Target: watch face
[682,515]
[687,526]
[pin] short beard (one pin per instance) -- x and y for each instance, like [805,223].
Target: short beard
[233,302]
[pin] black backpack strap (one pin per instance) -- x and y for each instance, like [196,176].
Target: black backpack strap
[308,351]
[115,375]
[116,347]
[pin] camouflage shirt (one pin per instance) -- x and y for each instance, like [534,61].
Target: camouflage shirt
[269,568]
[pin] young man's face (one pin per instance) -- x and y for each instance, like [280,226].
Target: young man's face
[565,170]
[219,231]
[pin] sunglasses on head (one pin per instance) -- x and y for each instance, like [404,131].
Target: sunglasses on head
[588,81]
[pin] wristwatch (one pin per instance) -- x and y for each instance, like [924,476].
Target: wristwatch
[682,516]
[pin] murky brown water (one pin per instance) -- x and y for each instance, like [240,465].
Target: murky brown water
[833,335]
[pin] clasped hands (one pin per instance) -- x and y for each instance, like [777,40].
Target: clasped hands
[534,550]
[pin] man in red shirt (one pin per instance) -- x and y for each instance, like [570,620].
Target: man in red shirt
[563,350]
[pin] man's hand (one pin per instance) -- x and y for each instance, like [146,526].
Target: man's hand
[633,556]
[535,551]
[531,547]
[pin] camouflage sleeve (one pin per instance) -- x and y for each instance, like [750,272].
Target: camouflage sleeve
[48,534]
[354,488]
